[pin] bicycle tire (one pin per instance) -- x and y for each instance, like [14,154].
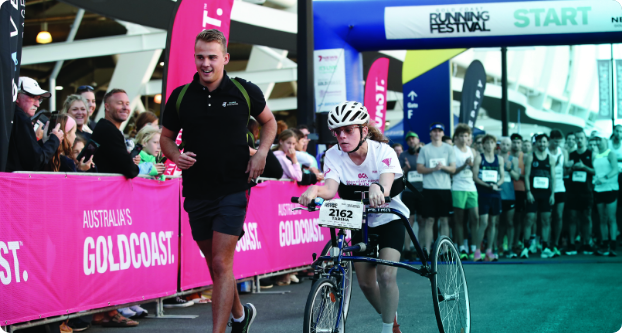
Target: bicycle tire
[450,294]
[322,307]
[348,268]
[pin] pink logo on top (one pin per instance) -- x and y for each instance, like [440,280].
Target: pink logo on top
[387,161]
[362,175]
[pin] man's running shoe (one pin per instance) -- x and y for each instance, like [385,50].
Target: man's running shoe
[602,251]
[396,326]
[533,245]
[588,249]
[571,250]
[477,256]
[245,325]
[464,255]
[525,253]
[547,253]
[177,302]
[511,255]
[556,252]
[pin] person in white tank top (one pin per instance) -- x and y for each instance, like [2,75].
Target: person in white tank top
[464,192]
[560,156]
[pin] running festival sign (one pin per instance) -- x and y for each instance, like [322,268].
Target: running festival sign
[376,92]
[190,18]
[501,19]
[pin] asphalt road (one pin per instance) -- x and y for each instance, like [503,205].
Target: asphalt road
[567,294]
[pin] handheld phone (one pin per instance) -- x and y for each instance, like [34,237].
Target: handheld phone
[88,150]
[53,122]
[137,149]
[40,122]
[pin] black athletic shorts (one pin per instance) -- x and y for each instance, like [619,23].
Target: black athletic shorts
[560,197]
[507,205]
[409,199]
[579,201]
[605,197]
[540,205]
[521,200]
[225,215]
[387,235]
[488,205]
[437,203]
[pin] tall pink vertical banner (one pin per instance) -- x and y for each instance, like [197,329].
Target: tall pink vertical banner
[190,18]
[376,92]
[275,237]
[70,243]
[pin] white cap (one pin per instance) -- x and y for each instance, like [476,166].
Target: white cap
[32,87]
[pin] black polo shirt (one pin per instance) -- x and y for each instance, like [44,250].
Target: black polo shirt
[214,128]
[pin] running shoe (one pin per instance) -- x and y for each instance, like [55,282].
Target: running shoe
[477,256]
[525,253]
[396,326]
[533,246]
[556,252]
[612,253]
[464,255]
[249,316]
[603,251]
[511,255]
[547,253]
[572,250]
[588,249]
[490,256]
[78,325]
[177,302]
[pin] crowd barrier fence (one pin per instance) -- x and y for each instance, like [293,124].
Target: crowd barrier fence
[85,243]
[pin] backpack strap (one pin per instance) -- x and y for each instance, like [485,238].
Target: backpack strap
[178,104]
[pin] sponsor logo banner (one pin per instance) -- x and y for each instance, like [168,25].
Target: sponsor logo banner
[376,92]
[619,87]
[604,89]
[275,237]
[329,78]
[85,243]
[501,19]
[473,89]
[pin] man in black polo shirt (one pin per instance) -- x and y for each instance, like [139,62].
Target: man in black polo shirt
[217,167]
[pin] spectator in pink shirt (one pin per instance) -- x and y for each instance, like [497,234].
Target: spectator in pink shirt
[286,153]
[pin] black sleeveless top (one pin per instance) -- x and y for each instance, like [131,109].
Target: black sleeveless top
[540,169]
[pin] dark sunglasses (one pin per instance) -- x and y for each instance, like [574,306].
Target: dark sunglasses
[84,88]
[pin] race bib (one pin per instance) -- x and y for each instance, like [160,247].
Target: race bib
[540,182]
[342,214]
[490,176]
[507,177]
[414,176]
[466,173]
[579,176]
[435,161]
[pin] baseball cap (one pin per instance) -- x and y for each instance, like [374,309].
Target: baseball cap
[437,126]
[411,134]
[32,87]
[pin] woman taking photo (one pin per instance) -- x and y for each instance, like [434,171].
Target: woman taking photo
[363,161]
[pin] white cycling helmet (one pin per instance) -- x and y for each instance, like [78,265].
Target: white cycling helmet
[347,113]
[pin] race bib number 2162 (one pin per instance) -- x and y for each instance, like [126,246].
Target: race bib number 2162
[342,214]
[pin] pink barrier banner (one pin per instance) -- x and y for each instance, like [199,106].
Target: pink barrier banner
[275,238]
[70,243]
[376,92]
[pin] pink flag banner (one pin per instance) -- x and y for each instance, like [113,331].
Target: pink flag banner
[70,243]
[191,17]
[275,237]
[376,92]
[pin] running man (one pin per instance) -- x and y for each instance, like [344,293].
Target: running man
[519,190]
[560,156]
[508,198]
[605,194]
[216,193]
[539,185]
[464,193]
[489,176]
[436,162]
[580,196]
[362,149]
[408,162]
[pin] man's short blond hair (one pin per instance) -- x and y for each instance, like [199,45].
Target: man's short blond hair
[212,35]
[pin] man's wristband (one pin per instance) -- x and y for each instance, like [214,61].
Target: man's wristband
[381,188]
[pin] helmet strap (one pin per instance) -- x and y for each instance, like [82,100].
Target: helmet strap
[360,143]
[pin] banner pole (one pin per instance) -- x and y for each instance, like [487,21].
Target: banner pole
[505,105]
[613,108]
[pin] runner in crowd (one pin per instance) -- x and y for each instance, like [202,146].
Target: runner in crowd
[464,193]
[539,184]
[489,176]
[508,198]
[605,194]
[408,162]
[560,156]
[478,144]
[447,140]
[519,190]
[571,142]
[362,150]
[436,162]
[580,196]
[527,146]
[216,205]
[399,149]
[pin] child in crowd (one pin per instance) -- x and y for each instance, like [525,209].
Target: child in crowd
[286,153]
[150,162]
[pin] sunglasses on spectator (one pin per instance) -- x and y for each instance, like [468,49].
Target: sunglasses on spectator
[346,129]
[84,88]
